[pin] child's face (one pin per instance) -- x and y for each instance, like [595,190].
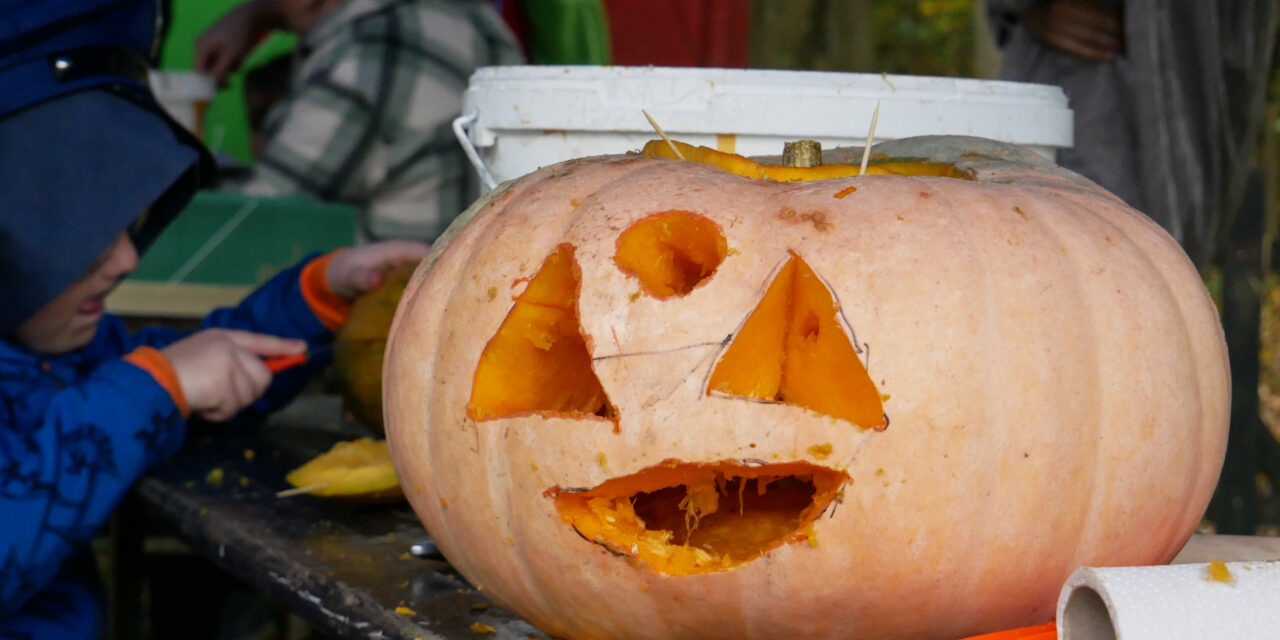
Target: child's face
[69,321]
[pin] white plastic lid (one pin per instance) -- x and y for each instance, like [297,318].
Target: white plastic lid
[794,104]
[182,86]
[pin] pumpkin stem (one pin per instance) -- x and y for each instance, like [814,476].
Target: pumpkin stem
[802,153]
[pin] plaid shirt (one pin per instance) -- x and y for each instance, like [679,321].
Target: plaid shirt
[368,119]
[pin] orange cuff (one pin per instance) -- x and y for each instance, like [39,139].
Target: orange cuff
[154,363]
[330,308]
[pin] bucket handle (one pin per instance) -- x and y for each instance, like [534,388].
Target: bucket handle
[461,130]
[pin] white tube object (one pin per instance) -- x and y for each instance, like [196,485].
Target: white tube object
[1173,601]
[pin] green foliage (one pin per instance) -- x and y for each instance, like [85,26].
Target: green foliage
[926,37]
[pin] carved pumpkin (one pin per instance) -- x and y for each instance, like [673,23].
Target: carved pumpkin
[635,397]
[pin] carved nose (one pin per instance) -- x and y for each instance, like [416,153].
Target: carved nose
[796,348]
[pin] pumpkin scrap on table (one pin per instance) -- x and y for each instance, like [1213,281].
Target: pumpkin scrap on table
[964,373]
[355,470]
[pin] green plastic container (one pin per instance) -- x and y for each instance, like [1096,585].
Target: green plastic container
[225,244]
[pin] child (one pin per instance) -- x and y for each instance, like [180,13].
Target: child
[90,171]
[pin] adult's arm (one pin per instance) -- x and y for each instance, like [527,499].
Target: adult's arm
[222,47]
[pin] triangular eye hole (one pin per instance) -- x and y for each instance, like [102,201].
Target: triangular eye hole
[538,361]
[794,349]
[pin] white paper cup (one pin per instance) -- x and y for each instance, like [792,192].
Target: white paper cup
[185,95]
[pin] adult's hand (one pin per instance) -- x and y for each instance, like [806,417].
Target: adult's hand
[1080,28]
[222,47]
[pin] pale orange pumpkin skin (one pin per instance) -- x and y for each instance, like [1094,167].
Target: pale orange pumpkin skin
[1055,372]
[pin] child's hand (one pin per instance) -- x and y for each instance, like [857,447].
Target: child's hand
[221,370]
[359,269]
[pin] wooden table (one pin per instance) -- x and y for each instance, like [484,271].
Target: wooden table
[346,568]
[343,568]
[1203,548]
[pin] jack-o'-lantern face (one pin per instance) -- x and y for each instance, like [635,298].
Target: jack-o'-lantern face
[635,397]
[686,516]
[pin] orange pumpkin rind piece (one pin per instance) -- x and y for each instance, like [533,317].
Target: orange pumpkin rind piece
[356,471]
[749,168]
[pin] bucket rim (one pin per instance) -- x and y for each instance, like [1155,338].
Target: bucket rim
[892,85]
[821,105]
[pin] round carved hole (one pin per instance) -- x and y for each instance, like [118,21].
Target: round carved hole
[671,252]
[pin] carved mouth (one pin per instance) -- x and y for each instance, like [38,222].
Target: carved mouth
[680,518]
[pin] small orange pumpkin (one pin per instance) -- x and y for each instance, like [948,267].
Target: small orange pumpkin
[637,397]
[359,346]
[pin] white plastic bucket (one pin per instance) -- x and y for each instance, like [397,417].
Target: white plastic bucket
[516,119]
[185,95]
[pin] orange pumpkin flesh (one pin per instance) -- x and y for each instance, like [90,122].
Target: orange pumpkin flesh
[793,349]
[1053,368]
[671,252]
[538,362]
[687,518]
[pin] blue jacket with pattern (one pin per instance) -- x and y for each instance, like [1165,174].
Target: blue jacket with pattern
[77,429]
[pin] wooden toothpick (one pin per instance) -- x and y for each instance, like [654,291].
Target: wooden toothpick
[871,134]
[663,134]
[297,491]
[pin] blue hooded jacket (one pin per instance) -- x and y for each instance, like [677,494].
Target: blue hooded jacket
[78,429]
[84,151]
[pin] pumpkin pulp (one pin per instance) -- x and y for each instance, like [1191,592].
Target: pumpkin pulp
[680,518]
